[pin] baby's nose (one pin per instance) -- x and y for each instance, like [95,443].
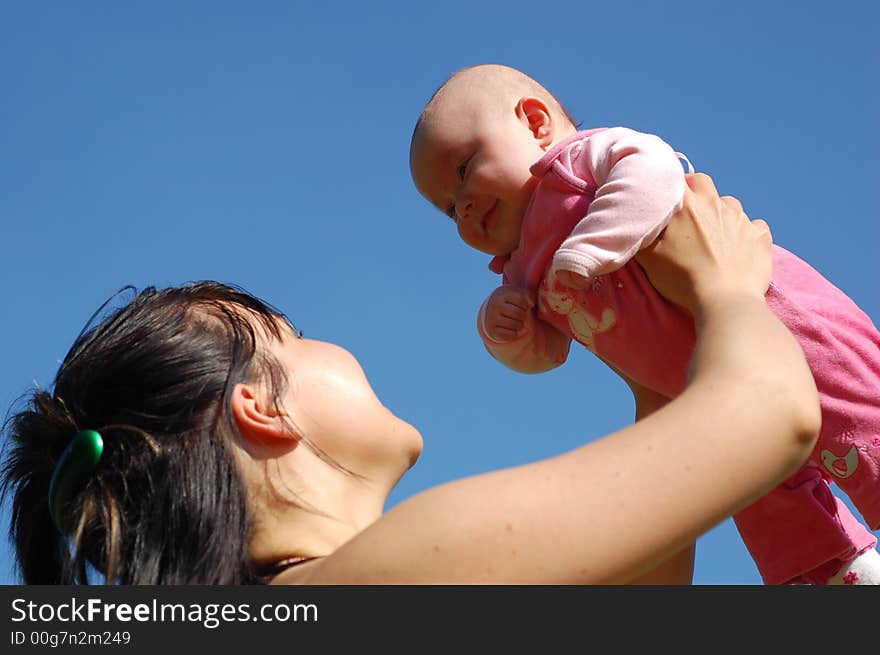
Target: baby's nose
[464,207]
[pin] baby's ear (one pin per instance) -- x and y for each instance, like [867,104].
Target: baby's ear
[533,112]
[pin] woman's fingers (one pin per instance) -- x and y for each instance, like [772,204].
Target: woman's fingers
[701,183]
[761,225]
[732,203]
[709,247]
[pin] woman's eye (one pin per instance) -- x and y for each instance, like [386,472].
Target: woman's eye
[450,212]
[462,169]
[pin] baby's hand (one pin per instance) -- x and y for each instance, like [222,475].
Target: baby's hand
[509,313]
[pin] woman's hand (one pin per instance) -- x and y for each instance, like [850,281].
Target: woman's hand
[709,251]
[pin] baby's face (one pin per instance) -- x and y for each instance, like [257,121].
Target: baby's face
[471,160]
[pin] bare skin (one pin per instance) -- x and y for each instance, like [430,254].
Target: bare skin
[625,508]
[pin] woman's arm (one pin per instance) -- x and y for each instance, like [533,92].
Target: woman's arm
[617,508]
[677,570]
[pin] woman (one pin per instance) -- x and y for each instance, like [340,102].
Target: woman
[217,419]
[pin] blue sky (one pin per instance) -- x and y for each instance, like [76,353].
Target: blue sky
[265,143]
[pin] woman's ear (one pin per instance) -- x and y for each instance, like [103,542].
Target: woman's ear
[256,415]
[533,112]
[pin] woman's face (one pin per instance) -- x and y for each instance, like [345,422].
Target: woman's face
[333,405]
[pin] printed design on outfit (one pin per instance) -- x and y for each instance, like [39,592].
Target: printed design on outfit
[582,323]
[851,578]
[842,467]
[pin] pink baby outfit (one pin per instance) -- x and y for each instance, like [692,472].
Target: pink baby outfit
[603,195]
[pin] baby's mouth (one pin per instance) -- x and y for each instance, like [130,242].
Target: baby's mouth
[489,218]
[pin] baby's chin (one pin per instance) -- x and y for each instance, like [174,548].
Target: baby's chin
[501,252]
[503,247]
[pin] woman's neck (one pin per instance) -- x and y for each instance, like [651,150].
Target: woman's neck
[294,532]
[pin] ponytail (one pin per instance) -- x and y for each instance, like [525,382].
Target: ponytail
[165,504]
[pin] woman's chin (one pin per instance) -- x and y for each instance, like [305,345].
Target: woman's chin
[412,443]
[408,442]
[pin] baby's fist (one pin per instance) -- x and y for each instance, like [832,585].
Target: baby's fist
[508,313]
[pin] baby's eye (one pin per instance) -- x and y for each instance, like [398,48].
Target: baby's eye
[462,169]
[450,212]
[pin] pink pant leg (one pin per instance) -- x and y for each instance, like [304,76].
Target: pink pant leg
[848,452]
[800,526]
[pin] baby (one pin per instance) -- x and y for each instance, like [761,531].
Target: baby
[563,212]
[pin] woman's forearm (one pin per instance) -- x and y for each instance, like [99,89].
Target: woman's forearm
[741,342]
[616,508]
[748,419]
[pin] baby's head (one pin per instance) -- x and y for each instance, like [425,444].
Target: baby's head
[473,146]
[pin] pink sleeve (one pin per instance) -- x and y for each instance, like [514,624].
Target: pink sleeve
[540,350]
[640,184]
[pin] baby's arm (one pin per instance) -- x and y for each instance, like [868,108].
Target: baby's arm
[515,336]
[640,183]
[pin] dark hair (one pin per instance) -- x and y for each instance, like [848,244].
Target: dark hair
[148,377]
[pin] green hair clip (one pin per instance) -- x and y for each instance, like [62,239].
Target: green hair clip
[74,466]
